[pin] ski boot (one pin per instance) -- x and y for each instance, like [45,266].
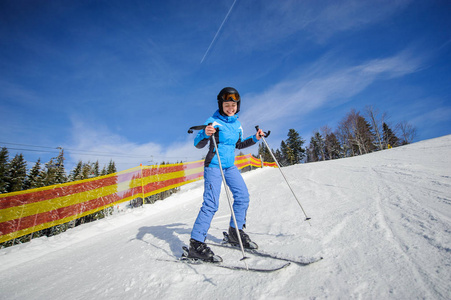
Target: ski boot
[247,243]
[200,251]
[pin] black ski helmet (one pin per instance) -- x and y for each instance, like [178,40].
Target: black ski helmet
[228,94]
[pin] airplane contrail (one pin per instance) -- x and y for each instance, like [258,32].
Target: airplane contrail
[217,32]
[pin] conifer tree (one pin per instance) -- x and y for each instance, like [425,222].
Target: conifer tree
[264,152]
[17,173]
[278,155]
[34,179]
[294,145]
[332,146]
[285,152]
[86,171]
[319,146]
[312,151]
[4,165]
[96,169]
[364,136]
[104,171]
[76,173]
[60,173]
[111,167]
[49,174]
[389,138]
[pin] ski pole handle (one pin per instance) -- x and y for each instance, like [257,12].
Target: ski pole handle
[212,133]
[199,127]
[265,134]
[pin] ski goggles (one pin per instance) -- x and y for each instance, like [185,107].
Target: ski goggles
[231,97]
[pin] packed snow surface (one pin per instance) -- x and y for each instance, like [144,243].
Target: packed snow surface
[381,221]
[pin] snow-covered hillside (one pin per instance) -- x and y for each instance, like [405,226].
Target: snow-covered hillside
[381,221]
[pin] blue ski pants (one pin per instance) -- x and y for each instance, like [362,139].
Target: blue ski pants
[212,191]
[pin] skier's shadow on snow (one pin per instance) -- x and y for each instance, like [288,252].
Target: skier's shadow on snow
[168,233]
[171,234]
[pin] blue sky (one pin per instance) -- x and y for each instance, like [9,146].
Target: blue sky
[124,80]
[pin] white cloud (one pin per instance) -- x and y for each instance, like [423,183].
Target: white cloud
[259,24]
[314,89]
[404,63]
[354,14]
[92,143]
[432,112]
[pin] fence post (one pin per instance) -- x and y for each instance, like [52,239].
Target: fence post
[142,182]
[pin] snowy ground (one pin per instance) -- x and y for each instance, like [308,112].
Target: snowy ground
[382,222]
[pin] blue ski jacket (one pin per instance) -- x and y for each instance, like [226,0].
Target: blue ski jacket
[229,136]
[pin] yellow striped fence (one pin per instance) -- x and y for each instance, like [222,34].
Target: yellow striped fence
[29,211]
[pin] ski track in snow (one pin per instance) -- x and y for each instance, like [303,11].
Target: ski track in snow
[381,221]
[412,227]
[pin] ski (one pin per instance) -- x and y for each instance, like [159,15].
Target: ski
[304,262]
[185,259]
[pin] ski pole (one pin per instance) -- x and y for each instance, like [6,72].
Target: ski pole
[226,190]
[272,154]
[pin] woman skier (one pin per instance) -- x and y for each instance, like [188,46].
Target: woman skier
[228,134]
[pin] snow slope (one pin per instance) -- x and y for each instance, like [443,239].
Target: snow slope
[382,222]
